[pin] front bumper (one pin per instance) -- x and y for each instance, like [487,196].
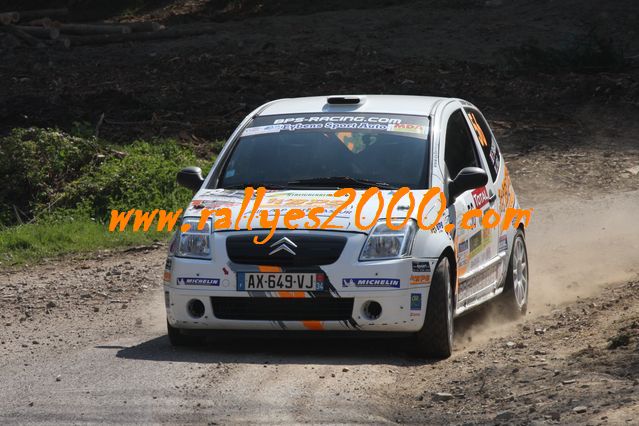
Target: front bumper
[403,305]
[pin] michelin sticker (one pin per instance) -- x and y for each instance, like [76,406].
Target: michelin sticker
[370,282]
[199,281]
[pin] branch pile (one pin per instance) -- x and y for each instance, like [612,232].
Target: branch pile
[50,27]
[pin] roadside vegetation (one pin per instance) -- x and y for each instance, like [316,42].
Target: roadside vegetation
[58,190]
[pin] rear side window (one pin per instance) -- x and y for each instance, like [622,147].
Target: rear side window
[487,141]
[460,146]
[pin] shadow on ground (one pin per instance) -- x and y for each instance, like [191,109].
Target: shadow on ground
[287,348]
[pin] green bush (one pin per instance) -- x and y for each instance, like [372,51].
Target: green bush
[69,184]
[35,166]
[143,178]
[48,173]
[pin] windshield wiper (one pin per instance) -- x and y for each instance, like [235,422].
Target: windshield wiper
[254,185]
[341,182]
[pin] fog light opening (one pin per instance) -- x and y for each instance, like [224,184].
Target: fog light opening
[195,308]
[372,310]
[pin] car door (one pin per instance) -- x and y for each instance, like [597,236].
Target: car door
[480,266]
[460,151]
[499,188]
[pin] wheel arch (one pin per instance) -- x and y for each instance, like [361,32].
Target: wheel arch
[452,264]
[522,228]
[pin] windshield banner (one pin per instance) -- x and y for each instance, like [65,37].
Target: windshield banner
[407,125]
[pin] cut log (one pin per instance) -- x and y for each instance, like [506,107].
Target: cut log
[88,29]
[7,18]
[29,15]
[40,32]
[42,22]
[62,42]
[22,36]
[141,27]
[169,33]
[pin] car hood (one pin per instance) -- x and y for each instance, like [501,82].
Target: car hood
[307,200]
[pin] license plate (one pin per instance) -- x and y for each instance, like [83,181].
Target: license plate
[259,281]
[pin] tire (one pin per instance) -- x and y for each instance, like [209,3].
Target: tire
[177,338]
[515,295]
[435,339]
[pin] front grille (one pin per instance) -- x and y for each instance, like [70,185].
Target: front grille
[282,309]
[310,250]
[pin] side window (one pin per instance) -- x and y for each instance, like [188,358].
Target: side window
[487,142]
[460,146]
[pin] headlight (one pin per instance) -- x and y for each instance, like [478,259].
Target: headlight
[193,243]
[386,243]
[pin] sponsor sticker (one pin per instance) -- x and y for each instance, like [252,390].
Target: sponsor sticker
[421,266]
[260,130]
[437,228]
[480,196]
[415,301]
[503,243]
[475,241]
[419,279]
[338,119]
[462,259]
[463,246]
[408,128]
[370,282]
[199,281]
[478,281]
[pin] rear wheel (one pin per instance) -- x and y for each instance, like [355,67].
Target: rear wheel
[435,339]
[177,338]
[515,296]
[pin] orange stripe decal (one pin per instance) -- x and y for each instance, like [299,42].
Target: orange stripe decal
[313,325]
[266,268]
[291,294]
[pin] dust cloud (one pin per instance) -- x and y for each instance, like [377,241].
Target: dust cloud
[575,248]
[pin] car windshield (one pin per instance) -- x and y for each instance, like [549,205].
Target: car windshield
[330,150]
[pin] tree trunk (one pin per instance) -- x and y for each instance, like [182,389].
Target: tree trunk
[29,15]
[84,29]
[141,27]
[7,18]
[170,33]
[40,32]
[62,42]
[22,36]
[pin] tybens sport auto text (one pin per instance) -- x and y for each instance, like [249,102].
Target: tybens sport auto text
[223,218]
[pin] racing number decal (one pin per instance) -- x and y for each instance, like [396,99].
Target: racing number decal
[478,130]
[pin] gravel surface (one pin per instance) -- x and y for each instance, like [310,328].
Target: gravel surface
[83,340]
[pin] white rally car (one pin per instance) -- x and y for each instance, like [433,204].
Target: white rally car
[348,277]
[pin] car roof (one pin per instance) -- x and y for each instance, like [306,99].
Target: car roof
[385,104]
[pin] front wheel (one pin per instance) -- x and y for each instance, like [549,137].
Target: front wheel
[435,339]
[515,296]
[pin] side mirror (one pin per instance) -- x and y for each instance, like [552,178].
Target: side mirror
[190,177]
[468,178]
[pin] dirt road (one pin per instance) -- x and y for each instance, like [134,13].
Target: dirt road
[83,341]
